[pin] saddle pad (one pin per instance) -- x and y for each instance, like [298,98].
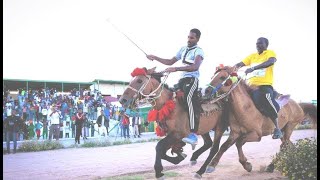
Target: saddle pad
[283,100]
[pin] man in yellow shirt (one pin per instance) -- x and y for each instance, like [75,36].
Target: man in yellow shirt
[260,74]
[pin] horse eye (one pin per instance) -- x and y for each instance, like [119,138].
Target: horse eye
[139,81]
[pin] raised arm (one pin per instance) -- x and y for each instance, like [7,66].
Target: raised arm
[161,60]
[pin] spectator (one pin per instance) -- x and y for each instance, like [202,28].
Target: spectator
[45,129]
[103,124]
[85,128]
[38,129]
[125,124]
[11,126]
[92,128]
[55,123]
[67,129]
[79,123]
[135,124]
[31,130]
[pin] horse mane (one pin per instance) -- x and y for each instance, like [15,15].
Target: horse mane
[158,77]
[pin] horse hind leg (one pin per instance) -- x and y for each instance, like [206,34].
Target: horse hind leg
[207,144]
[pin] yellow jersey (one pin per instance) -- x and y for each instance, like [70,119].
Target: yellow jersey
[262,76]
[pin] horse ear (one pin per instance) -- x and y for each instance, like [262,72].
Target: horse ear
[152,70]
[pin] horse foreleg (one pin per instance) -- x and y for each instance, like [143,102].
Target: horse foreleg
[175,160]
[207,144]
[250,137]
[161,149]
[224,147]
[214,149]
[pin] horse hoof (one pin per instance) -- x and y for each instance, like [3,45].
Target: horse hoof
[248,167]
[192,163]
[160,178]
[270,168]
[210,169]
[197,176]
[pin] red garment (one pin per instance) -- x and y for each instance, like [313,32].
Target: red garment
[125,120]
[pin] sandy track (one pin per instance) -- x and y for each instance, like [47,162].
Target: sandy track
[95,163]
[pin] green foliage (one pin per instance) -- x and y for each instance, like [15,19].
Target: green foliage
[171,174]
[304,126]
[96,143]
[299,160]
[126,178]
[126,141]
[28,146]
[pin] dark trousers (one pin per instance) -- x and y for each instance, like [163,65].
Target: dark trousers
[264,99]
[189,85]
[78,133]
[126,131]
[12,134]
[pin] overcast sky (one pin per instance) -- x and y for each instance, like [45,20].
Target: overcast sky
[70,40]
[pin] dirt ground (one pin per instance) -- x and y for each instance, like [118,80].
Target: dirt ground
[135,161]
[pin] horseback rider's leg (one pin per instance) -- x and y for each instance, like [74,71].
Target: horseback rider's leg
[272,109]
[190,88]
[256,97]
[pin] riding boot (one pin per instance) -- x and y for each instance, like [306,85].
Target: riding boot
[277,134]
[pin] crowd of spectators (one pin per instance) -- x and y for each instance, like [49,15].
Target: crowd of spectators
[35,106]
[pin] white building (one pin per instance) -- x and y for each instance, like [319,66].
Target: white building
[109,87]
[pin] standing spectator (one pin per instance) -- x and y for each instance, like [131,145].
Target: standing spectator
[44,112]
[55,123]
[103,123]
[135,123]
[92,128]
[73,127]
[125,124]
[79,123]
[11,125]
[31,130]
[38,129]
[67,129]
[86,126]
[45,129]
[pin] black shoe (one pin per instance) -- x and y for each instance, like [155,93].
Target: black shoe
[277,134]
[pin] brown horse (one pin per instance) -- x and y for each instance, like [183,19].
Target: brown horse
[246,122]
[147,86]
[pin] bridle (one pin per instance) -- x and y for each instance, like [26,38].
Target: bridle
[141,98]
[214,95]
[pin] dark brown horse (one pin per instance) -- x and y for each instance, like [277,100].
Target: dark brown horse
[246,122]
[147,87]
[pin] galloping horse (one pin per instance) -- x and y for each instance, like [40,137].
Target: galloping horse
[246,122]
[147,86]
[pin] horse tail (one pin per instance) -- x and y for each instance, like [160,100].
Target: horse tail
[311,111]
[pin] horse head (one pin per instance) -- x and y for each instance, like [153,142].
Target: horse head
[143,85]
[222,81]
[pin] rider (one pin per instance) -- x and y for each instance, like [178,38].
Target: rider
[261,75]
[192,57]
